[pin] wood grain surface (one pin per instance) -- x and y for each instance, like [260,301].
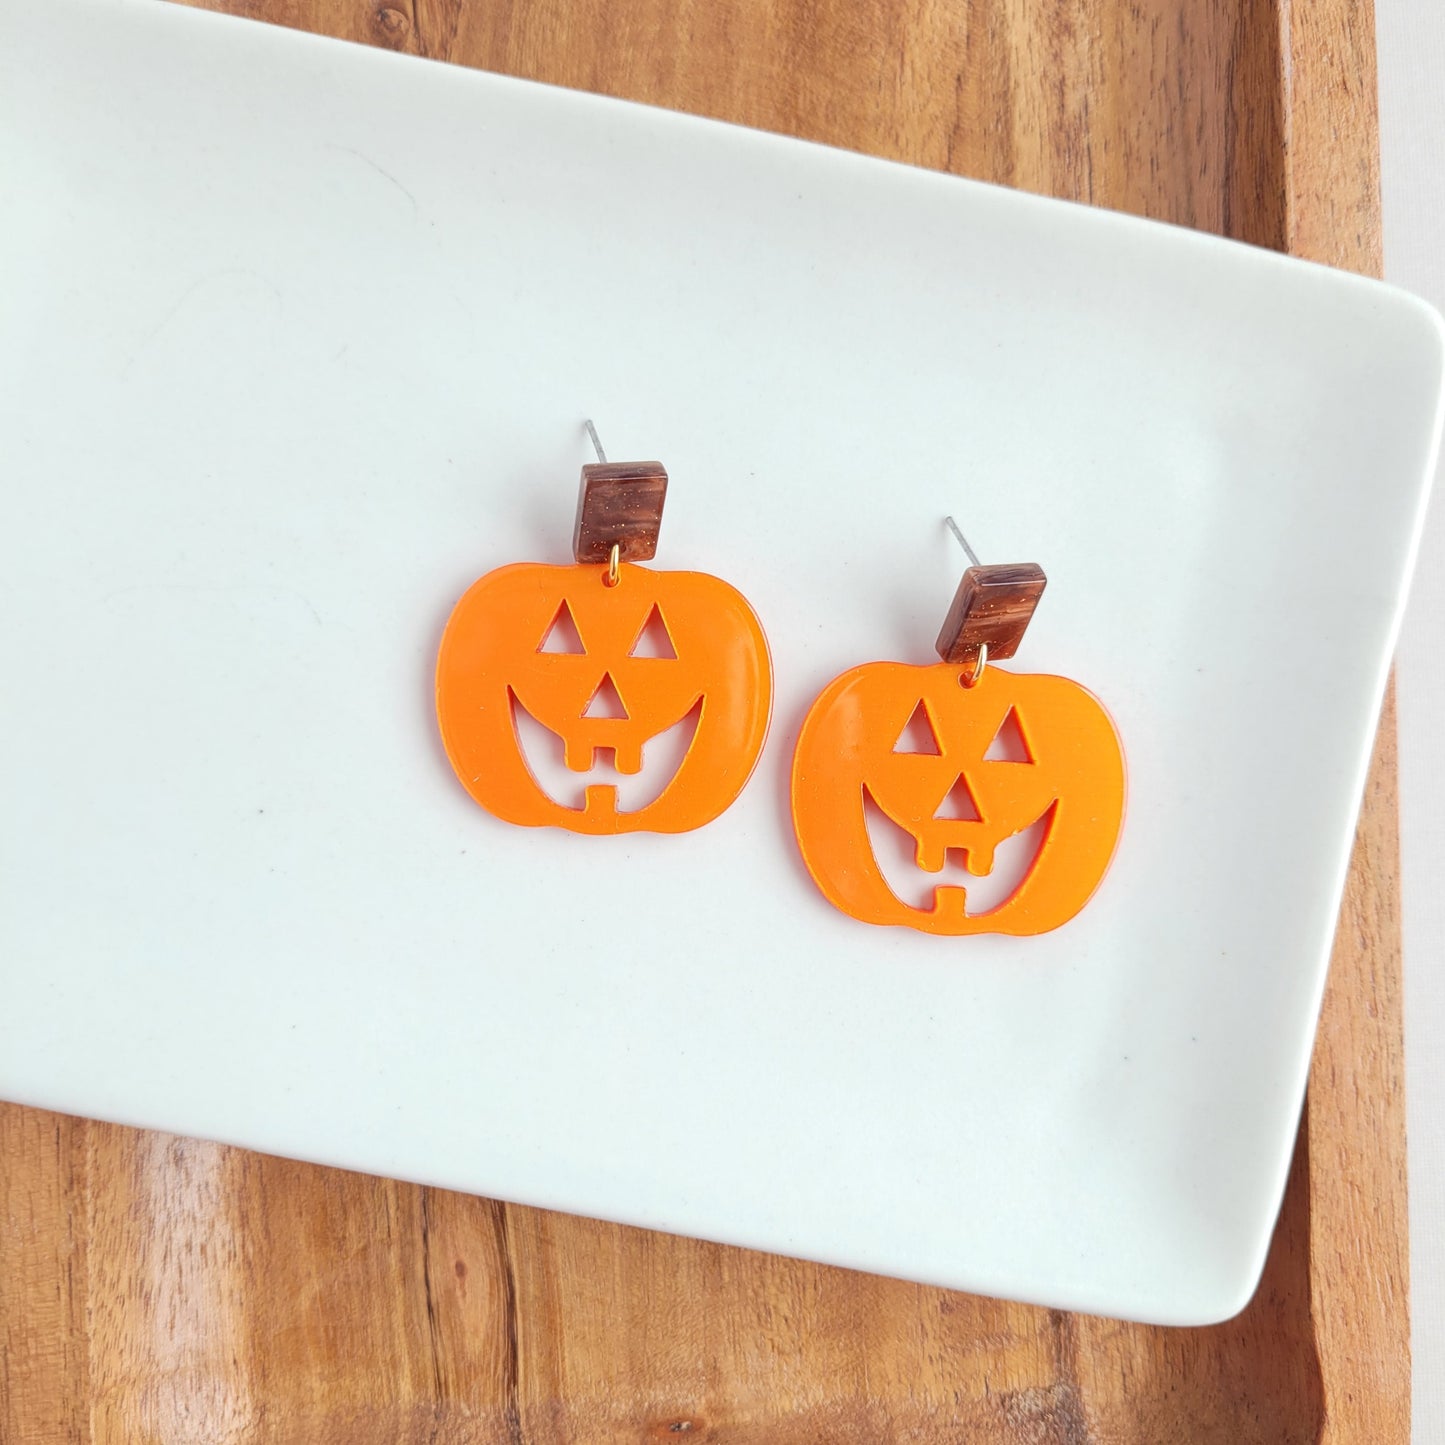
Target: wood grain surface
[160,1290]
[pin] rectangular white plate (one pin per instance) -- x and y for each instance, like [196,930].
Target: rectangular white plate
[297,339]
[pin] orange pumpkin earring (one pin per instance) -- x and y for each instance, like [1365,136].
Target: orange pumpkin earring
[568,675]
[1018,776]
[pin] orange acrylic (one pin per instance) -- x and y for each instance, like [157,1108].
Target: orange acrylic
[1066,781]
[495,658]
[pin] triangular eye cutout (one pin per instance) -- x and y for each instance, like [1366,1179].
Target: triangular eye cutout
[562,635]
[1008,745]
[918,735]
[958,805]
[606,701]
[654,640]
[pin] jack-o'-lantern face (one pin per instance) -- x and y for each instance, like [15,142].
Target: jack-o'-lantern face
[899,769]
[546,673]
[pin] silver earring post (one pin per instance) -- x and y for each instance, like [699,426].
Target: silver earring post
[952,527]
[597,445]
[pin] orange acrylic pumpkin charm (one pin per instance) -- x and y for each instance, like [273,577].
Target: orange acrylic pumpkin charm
[1017,776]
[586,668]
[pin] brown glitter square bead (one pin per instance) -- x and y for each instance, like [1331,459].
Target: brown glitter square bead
[619,505]
[993,606]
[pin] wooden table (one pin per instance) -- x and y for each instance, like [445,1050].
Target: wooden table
[159,1290]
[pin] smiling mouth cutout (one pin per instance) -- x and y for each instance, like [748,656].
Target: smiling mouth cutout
[601,786]
[953,888]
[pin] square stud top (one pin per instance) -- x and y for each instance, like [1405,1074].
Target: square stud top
[619,504]
[992,608]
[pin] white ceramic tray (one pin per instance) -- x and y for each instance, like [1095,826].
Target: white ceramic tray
[297,339]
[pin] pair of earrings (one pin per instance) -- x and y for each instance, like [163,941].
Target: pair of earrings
[959,757]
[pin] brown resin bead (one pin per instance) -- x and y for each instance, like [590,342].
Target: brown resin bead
[992,608]
[619,505]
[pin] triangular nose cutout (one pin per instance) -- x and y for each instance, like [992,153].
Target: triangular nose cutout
[958,805]
[562,634]
[1008,745]
[918,735]
[654,640]
[606,701]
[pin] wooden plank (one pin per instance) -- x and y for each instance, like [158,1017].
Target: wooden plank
[154,1289]
[44,1341]
[1354,1134]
